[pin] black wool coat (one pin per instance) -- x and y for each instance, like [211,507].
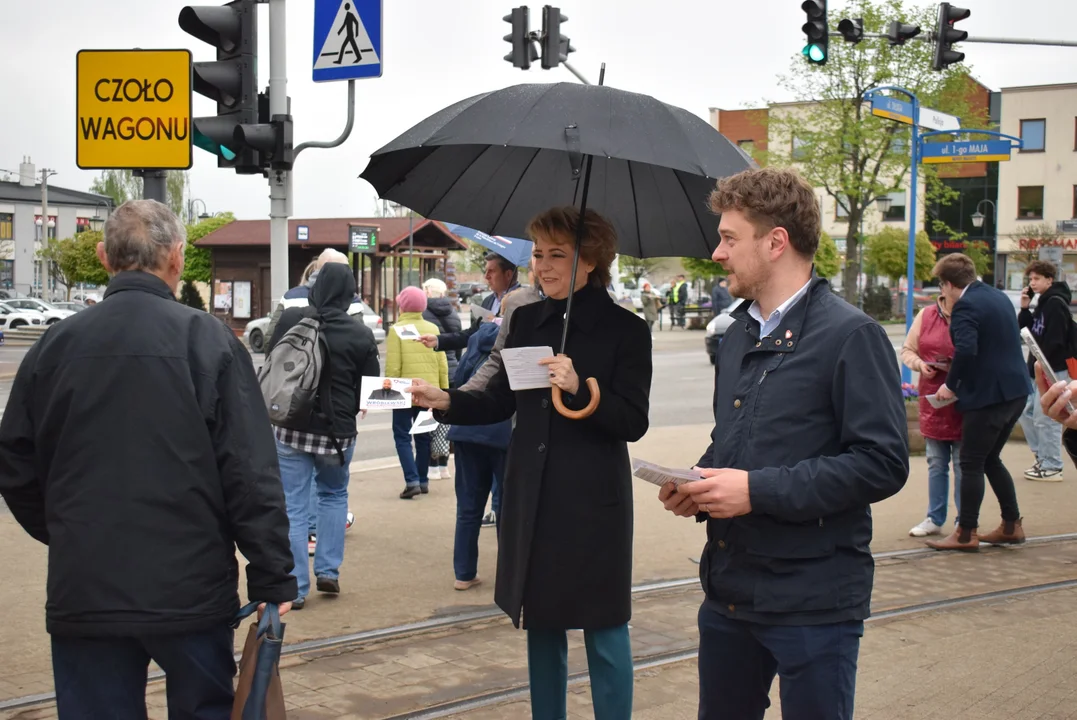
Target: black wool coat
[565,544]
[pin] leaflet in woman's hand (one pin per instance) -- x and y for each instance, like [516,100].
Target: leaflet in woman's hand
[658,475]
[522,367]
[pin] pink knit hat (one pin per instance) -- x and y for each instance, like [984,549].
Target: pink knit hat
[411,299]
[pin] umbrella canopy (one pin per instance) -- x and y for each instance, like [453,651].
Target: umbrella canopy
[496,160]
[514,250]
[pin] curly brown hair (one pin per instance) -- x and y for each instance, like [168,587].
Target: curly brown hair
[773,197]
[1043,268]
[599,245]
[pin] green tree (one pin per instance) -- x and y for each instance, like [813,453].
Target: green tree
[190,296]
[124,185]
[835,141]
[636,268]
[887,254]
[74,260]
[827,258]
[701,269]
[198,265]
[1034,237]
[980,253]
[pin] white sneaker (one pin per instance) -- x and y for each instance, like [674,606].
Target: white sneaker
[1039,474]
[445,474]
[927,527]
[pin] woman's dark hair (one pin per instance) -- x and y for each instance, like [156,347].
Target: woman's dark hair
[599,245]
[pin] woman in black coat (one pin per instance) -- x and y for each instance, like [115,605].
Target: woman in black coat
[565,543]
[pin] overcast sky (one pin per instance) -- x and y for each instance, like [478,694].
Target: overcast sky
[692,53]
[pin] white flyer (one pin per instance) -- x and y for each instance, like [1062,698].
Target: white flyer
[658,475]
[523,369]
[482,313]
[378,393]
[936,403]
[424,423]
[407,332]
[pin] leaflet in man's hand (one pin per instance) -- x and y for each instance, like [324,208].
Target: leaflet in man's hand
[521,365]
[934,401]
[481,313]
[658,475]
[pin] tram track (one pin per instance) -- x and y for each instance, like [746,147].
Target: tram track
[357,640]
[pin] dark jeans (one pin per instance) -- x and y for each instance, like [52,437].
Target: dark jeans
[479,468]
[416,464]
[984,433]
[106,677]
[738,661]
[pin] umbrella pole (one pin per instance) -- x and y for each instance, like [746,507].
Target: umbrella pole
[592,384]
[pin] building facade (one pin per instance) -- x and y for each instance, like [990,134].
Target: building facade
[1037,199]
[22,227]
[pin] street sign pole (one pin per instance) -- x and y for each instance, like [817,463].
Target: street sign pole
[279,180]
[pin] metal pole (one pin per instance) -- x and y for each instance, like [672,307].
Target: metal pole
[154,186]
[930,38]
[44,228]
[906,373]
[411,242]
[574,71]
[278,180]
[343,136]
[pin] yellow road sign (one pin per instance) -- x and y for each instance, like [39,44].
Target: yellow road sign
[134,109]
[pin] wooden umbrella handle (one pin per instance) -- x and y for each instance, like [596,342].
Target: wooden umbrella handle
[586,412]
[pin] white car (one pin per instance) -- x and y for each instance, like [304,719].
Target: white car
[51,313]
[255,334]
[717,327]
[11,319]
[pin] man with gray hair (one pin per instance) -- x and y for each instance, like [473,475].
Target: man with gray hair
[137,446]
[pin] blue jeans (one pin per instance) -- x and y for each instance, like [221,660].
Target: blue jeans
[415,464]
[297,470]
[939,454]
[105,677]
[738,661]
[478,469]
[1043,435]
[609,663]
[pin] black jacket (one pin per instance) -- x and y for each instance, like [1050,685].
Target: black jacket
[353,352]
[458,340]
[989,365]
[1052,325]
[136,445]
[565,545]
[441,312]
[813,412]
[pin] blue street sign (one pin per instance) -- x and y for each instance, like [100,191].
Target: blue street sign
[967,151]
[892,108]
[347,39]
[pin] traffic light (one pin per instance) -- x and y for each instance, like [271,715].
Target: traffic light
[946,36]
[271,137]
[230,80]
[852,30]
[899,32]
[818,33]
[521,44]
[551,36]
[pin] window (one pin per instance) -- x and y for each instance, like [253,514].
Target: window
[899,145]
[1033,135]
[1074,203]
[81,225]
[897,207]
[841,213]
[747,146]
[1030,203]
[1075,137]
[7,222]
[800,148]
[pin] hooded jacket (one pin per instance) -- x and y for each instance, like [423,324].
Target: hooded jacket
[441,312]
[478,352]
[353,352]
[1051,324]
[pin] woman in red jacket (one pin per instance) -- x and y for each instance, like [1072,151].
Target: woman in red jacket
[928,351]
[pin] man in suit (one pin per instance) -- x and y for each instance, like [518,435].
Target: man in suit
[503,277]
[989,378]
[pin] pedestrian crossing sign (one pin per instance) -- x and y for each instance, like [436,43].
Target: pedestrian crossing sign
[347,39]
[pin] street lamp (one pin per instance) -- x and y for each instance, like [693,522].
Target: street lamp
[978,222]
[97,223]
[190,210]
[883,202]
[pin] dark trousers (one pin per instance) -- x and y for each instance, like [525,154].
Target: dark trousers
[479,469]
[984,433]
[106,677]
[738,661]
[415,463]
[609,664]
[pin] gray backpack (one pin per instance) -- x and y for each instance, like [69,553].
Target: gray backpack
[292,374]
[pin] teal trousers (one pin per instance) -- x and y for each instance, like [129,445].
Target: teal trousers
[609,663]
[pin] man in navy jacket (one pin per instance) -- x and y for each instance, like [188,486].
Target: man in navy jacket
[810,429]
[990,380]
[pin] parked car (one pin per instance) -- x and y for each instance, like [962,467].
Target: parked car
[12,319]
[72,306]
[255,334]
[466,290]
[716,329]
[51,313]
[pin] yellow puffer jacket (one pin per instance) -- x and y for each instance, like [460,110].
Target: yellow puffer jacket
[411,359]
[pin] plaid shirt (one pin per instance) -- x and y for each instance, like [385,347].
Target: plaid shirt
[309,442]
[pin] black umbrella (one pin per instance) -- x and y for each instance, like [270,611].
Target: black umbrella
[494,161]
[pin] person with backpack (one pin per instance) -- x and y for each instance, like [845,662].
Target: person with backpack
[1051,324]
[311,381]
[412,359]
[480,464]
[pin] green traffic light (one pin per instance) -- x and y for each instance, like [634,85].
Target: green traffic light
[814,53]
[208,145]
